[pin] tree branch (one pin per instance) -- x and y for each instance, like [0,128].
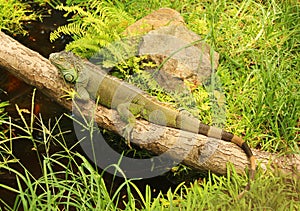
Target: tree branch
[196,151]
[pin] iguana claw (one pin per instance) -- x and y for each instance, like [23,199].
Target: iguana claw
[127,134]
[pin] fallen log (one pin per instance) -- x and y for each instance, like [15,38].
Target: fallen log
[197,151]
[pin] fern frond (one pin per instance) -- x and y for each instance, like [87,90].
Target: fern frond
[75,29]
[88,45]
[72,9]
[101,21]
[83,47]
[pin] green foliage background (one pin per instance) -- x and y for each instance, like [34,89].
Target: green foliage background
[258,42]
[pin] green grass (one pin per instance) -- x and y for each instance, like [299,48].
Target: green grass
[258,42]
[12,14]
[260,70]
[269,192]
[69,180]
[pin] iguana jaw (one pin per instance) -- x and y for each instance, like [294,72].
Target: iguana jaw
[61,62]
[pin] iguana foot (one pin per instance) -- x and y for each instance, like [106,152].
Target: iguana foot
[127,116]
[127,134]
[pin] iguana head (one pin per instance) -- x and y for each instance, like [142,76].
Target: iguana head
[65,62]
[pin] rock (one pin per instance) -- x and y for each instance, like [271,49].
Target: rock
[183,33]
[155,20]
[179,52]
[183,55]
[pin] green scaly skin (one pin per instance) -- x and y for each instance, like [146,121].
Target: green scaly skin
[129,101]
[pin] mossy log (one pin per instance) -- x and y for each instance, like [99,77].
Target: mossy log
[37,71]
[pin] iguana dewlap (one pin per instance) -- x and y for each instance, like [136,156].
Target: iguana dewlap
[92,82]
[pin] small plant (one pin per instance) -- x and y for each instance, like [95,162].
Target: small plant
[133,66]
[3,114]
[12,14]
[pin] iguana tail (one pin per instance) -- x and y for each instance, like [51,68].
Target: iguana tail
[226,136]
[188,123]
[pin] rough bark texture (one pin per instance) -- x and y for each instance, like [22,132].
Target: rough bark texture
[197,151]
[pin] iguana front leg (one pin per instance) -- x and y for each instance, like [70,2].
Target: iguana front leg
[128,113]
[81,85]
[82,92]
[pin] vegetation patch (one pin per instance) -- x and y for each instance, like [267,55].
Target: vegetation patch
[12,14]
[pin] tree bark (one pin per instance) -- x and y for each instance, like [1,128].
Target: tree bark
[197,151]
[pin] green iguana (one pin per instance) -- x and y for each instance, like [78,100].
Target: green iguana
[129,101]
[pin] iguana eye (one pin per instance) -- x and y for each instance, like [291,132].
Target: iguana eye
[69,77]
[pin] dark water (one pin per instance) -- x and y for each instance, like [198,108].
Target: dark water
[17,92]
